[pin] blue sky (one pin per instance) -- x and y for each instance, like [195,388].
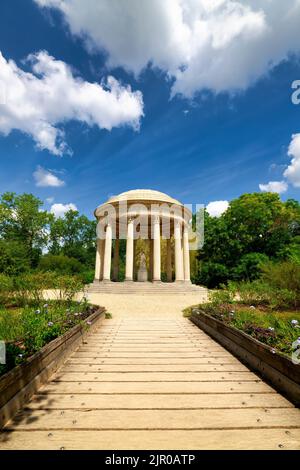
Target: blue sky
[204,147]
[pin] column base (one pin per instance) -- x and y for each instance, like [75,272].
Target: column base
[156,281]
[128,280]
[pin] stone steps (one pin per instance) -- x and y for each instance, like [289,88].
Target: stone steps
[144,288]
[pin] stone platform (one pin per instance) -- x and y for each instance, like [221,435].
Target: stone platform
[155,288]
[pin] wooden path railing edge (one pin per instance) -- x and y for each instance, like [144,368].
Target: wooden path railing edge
[276,369]
[19,385]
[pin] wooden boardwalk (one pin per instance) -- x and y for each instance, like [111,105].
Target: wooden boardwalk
[154,384]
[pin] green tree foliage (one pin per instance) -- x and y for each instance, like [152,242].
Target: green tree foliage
[23,221]
[60,264]
[74,236]
[31,238]
[14,259]
[256,227]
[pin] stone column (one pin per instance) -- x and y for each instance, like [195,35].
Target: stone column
[134,261]
[116,260]
[107,249]
[186,255]
[151,259]
[169,260]
[179,274]
[129,251]
[98,265]
[107,253]
[156,250]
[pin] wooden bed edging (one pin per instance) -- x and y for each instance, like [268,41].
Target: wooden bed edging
[276,369]
[22,382]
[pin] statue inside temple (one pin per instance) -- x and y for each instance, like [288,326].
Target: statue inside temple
[142,275]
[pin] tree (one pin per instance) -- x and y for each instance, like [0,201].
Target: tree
[74,236]
[14,258]
[255,227]
[23,221]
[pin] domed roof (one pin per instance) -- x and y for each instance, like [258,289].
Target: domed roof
[144,195]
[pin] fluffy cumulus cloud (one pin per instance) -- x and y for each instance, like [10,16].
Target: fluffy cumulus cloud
[45,178]
[274,187]
[292,173]
[59,210]
[217,208]
[217,44]
[38,103]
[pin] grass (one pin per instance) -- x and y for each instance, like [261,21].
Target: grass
[26,330]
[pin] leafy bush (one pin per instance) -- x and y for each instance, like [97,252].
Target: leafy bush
[10,326]
[284,275]
[67,287]
[14,258]
[6,288]
[252,293]
[212,274]
[30,288]
[27,330]
[249,267]
[87,277]
[220,297]
[60,264]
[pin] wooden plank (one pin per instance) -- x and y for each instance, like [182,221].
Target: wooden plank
[157,419]
[156,387]
[149,349]
[153,360]
[155,376]
[78,367]
[256,439]
[207,401]
[155,354]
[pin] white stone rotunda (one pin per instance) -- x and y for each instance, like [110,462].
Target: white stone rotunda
[158,220]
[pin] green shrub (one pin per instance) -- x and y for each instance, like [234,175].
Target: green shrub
[212,274]
[60,264]
[10,326]
[29,288]
[221,297]
[87,277]
[6,288]
[249,267]
[284,275]
[67,287]
[253,293]
[14,258]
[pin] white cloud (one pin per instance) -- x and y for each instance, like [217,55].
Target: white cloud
[44,178]
[49,200]
[217,44]
[274,187]
[59,210]
[217,208]
[38,103]
[292,173]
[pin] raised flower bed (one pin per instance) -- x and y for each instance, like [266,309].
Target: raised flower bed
[274,366]
[19,384]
